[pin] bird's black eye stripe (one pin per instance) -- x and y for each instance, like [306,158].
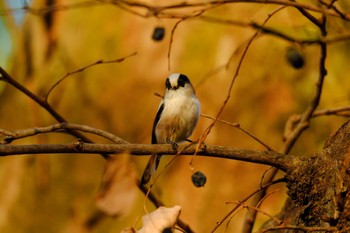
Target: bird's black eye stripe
[167,84]
[182,80]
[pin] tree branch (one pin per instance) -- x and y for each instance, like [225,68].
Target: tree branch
[238,126]
[271,158]
[301,228]
[263,187]
[160,11]
[60,127]
[7,78]
[99,62]
[271,31]
[305,118]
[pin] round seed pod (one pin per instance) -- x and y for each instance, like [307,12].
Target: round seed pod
[295,58]
[199,179]
[158,33]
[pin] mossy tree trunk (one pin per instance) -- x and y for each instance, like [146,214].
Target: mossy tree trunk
[319,188]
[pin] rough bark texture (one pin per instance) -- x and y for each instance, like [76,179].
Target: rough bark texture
[319,187]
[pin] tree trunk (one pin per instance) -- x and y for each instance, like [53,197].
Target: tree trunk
[319,188]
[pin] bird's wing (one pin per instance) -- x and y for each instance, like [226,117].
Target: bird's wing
[156,119]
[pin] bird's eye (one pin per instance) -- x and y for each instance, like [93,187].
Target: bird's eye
[182,80]
[167,84]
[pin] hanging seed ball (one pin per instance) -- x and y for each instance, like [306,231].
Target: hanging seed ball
[167,230]
[158,33]
[295,58]
[199,179]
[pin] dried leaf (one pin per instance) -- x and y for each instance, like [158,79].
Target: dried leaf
[160,219]
[118,190]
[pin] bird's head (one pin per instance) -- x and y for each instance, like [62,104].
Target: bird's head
[177,81]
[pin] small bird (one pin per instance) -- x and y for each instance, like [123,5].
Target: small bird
[176,118]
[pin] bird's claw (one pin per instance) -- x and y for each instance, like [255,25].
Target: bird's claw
[173,144]
[204,146]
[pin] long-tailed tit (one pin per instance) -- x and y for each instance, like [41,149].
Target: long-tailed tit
[176,118]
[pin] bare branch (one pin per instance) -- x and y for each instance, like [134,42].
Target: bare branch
[295,119]
[163,11]
[303,124]
[244,200]
[238,126]
[193,15]
[331,111]
[309,16]
[244,205]
[306,116]
[236,73]
[291,227]
[171,39]
[61,127]
[332,6]
[7,78]
[271,158]
[99,62]
[48,9]
[271,31]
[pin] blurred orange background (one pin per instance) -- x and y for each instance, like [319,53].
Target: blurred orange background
[56,193]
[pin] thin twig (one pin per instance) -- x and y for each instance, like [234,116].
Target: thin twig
[238,126]
[335,8]
[256,209]
[164,11]
[295,119]
[307,115]
[47,8]
[209,128]
[251,216]
[99,62]
[193,15]
[274,32]
[218,224]
[172,37]
[309,16]
[331,111]
[303,124]
[60,127]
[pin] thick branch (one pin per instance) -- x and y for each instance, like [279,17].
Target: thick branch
[271,158]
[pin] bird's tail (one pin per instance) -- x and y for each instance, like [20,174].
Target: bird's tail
[150,168]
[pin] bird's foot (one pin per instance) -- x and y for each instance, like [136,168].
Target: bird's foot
[204,146]
[173,144]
